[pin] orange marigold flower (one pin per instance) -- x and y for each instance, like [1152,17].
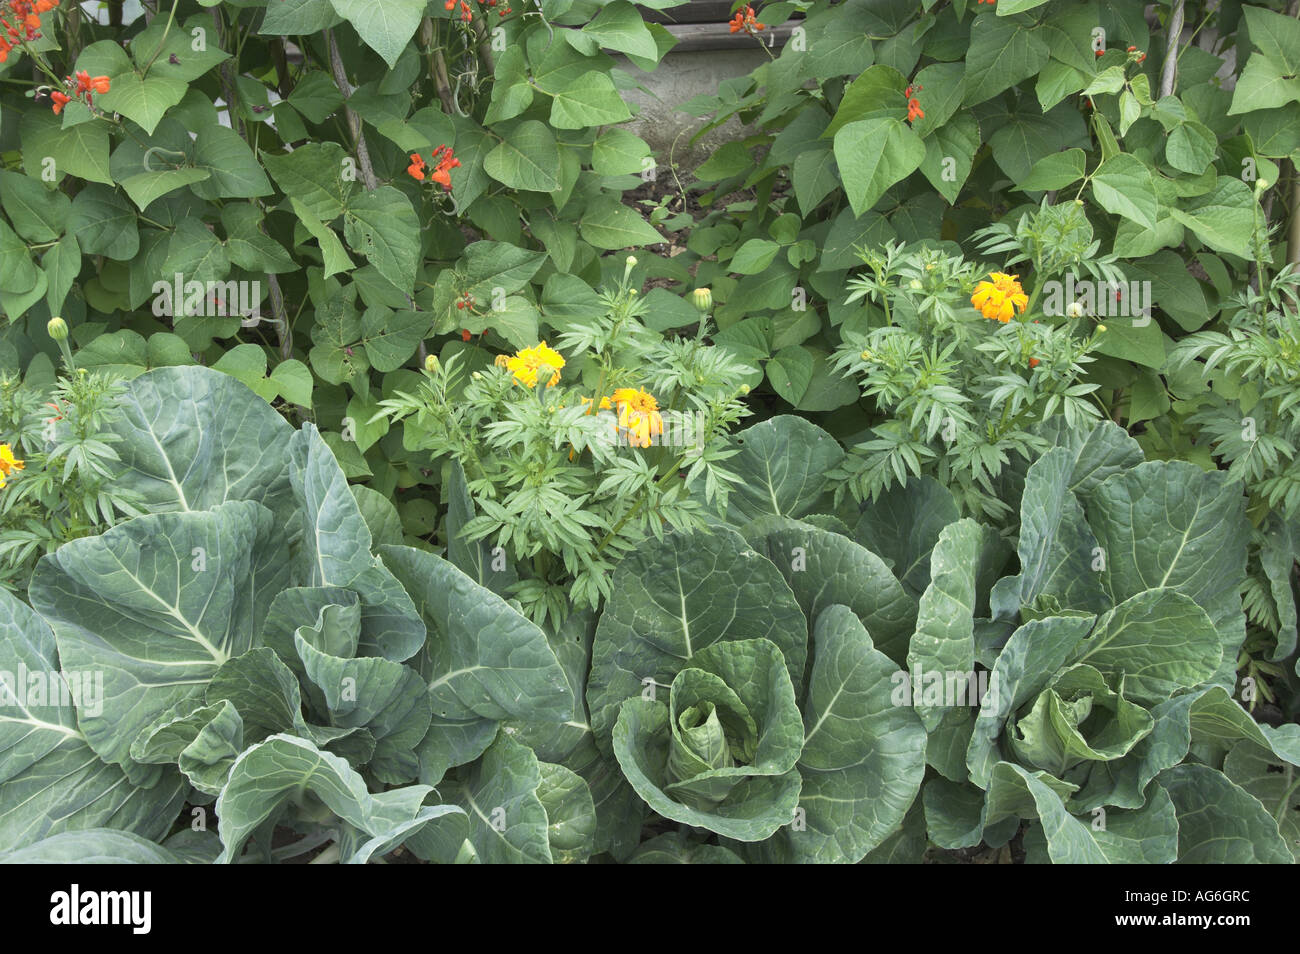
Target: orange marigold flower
[526,365]
[1001,298]
[1033,362]
[604,404]
[638,415]
[8,463]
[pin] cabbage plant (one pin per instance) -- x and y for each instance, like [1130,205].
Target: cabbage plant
[261,666]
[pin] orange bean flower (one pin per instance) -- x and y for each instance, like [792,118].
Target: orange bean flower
[746,20]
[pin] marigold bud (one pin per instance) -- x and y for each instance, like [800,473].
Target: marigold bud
[914,284]
[431,363]
[1101,327]
[477,376]
[702,298]
[631,261]
[865,356]
[744,389]
[1074,310]
[58,328]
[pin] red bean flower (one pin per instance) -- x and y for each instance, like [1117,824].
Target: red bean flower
[746,20]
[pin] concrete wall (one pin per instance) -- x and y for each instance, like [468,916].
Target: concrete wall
[680,77]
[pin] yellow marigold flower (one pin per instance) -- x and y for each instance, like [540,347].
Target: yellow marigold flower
[8,463]
[1000,298]
[526,364]
[638,415]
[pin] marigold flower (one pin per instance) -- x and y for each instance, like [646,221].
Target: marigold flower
[1000,298]
[1033,362]
[525,365]
[8,463]
[638,415]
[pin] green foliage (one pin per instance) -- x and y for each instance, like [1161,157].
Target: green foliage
[63,435]
[960,396]
[362,512]
[325,272]
[568,478]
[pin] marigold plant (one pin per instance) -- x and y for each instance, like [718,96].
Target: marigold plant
[625,440]
[953,396]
